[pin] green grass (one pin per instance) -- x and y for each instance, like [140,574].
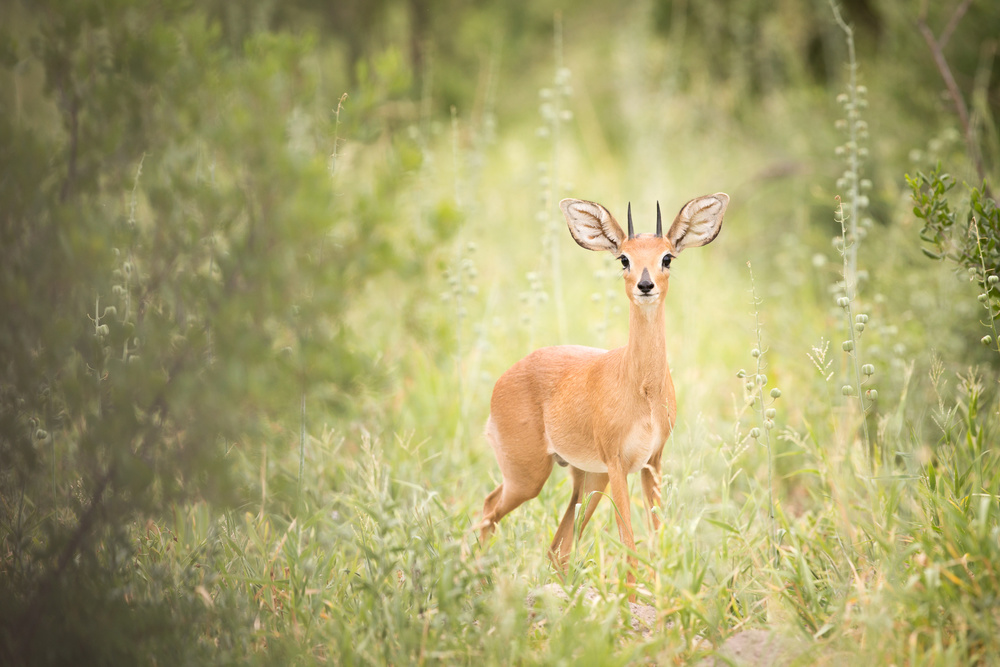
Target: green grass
[375,560]
[868,529]
[378,562]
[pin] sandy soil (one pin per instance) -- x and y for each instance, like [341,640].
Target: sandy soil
[749,648]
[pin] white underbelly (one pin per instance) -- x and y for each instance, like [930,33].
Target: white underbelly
[587,464]
[640,444]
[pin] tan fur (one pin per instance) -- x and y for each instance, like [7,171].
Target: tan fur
[605,413]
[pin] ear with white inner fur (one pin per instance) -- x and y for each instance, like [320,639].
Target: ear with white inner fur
[592,226]
[698,222]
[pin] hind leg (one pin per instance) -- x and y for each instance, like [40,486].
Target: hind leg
[563,540]
[487,525]
[593,491]
[502,501]
[525,467]
[651,482]
[587,488]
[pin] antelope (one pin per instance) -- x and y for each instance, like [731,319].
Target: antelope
[604,413]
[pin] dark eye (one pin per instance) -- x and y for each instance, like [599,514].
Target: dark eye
[666,261]
[624,261]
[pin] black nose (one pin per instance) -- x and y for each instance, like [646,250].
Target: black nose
[645,284]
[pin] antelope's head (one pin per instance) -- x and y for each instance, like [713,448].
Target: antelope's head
[645,258]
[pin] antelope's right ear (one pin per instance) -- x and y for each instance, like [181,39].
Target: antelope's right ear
[699,222]
[592,226]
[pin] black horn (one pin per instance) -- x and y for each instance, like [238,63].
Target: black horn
[659,221]
[631,234]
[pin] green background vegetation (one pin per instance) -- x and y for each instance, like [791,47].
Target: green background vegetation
[261,263]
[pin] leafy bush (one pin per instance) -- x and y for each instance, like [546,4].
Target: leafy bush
[179,270]
[973,246]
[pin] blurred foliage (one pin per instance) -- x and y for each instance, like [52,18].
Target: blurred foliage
[177,265]
[223,280]
[974,246]
[978,239]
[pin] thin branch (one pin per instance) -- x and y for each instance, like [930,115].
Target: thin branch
[936,46]
[30,619]
[953,23]
[29,622]
[949,80]
[72,105]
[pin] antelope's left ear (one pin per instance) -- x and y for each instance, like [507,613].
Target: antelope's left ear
[699,221]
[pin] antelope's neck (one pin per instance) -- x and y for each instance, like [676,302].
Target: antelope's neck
[646,353]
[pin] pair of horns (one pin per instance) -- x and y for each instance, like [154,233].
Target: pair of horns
[659,221]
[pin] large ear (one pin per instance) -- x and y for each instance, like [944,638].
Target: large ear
[592,226]
[698,222]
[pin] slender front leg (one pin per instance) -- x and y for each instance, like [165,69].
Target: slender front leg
[618,478]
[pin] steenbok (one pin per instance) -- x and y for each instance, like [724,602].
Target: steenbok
[603,413]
